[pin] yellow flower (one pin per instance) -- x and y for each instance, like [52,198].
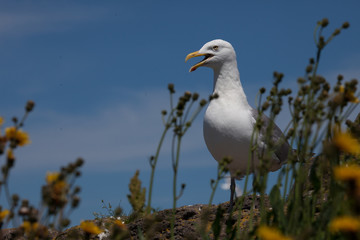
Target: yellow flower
[3,214]
[30,227]
[51,177]
[119,223]
[344,224]
[2,121]
[350,174]
[347,173]
[90,227]
[21,137]
[59,187]
[10,154]
[10,132]
[349,95]
[347,143]
[270,233]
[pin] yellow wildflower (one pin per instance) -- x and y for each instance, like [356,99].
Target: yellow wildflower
[30,227]
[349,95]
[59,187]
[346,142]
[21,137]
[51,177]
[347,173]
[10,132]
[10,155]
[119,223]
[2,121]
[344,224]
[350,174]
[342,89]
[270,233]
[3,214]
[90,227]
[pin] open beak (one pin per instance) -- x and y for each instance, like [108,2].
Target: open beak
[199,64]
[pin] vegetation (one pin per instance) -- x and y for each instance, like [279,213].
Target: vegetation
[320,198]
[317,196]
[59,193]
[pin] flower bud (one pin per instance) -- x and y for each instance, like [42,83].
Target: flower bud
[171,88]
[301,80]
[29,106]
[290,99]
[179,113]
[187,95]
[309,68]
[265,106]
[65,222]
[79,162]
[195,96]
[15,199]
[75,202]
[77,190]
[345,25]
[340,77]
[24,211]
[213,96]
[203,102]
[324,22]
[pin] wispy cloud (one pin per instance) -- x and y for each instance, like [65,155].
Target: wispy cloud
[19,21]
[119,136]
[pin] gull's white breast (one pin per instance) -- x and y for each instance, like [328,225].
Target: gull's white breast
[228,126]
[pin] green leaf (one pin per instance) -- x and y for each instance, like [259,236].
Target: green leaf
[216,226]
[277,205]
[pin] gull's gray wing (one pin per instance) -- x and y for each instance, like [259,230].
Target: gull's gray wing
[282,145]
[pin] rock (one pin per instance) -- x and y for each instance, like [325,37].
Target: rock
[190,223]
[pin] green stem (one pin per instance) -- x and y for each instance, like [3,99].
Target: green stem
[288,165]
[153,166]
[239,203]
[213,192]
[156,157]
[175,197]
[216,183]
[192,118]
[187,113]
[252,212]
[315,36]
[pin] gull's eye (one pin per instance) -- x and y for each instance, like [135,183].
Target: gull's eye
[215,48]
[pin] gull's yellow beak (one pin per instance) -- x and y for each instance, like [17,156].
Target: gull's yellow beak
[195,54]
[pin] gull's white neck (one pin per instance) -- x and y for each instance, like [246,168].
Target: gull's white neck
[227,83]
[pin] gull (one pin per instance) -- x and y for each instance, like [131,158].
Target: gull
[226,186]
[229,120]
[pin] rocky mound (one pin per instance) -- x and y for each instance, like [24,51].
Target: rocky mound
[190,223]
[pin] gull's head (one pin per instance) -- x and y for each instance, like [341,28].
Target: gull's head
[216,53]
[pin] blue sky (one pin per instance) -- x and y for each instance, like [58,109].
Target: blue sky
[98,72]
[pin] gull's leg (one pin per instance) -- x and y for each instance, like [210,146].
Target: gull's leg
[232,192]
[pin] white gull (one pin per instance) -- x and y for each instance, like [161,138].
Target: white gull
[229,120]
